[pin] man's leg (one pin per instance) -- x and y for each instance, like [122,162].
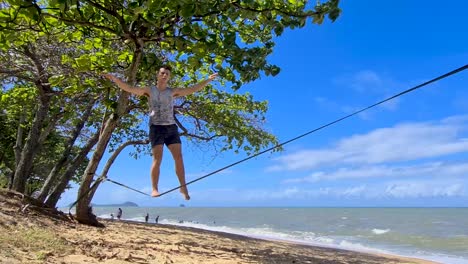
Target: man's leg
[157,158]
[176,151]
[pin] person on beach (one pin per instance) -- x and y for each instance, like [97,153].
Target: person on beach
[119,213]
[146,217]
[163,128]
[156,219]
[112,216]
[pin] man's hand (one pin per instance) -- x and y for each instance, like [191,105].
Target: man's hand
[213,76]
[109,76]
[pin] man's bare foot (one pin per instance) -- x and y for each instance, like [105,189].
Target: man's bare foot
[155,193]
[184,192]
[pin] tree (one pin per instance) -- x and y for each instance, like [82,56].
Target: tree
[18,108]
[231,37]
[65,100]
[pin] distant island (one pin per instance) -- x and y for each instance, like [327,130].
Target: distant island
[126,204]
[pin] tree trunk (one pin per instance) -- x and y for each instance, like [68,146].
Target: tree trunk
[82,208]
[83,205]
[53,175]
[70,171]
[29,150]
[10,182]
[19,137]
[18,146]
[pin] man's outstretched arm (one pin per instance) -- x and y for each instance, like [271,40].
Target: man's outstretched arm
[124,86]
[197,87]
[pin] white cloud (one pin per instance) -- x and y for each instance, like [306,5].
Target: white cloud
[394,190]
[403,142]
[404,190]
[368,81]
[354,191]
[192,176]
[433,169]
[287,193]
[424,190]
[377,85]
[243,195]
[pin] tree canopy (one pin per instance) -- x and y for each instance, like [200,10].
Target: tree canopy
[59,49]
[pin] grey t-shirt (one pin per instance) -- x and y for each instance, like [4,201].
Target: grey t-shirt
[161,106]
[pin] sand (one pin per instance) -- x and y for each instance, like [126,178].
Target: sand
[34,234]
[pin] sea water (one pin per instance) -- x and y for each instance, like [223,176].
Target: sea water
[438,234]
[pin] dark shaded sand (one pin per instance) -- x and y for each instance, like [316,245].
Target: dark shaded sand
[38,235]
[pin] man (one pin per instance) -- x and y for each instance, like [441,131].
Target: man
[163,129]
[119,213]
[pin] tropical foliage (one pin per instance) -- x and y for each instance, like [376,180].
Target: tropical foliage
[60,115]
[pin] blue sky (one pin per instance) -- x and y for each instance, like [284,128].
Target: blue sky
[412,151]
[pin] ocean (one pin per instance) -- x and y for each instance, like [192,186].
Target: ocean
[438,234]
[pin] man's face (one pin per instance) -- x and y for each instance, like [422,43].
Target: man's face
[164,74]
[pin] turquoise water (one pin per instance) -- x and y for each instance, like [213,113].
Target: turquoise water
[439,234]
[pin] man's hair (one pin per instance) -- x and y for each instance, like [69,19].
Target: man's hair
[167,67]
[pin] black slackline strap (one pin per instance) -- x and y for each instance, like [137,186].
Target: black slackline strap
[98,180]
[101,179]
[125,186]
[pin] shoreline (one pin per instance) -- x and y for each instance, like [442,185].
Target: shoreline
[345,231]
[32,233]
[311,245]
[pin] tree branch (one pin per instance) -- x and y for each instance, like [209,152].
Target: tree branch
[17,74]
[83,23]
[238,5]
[186,133]
[112,13]
[116,153]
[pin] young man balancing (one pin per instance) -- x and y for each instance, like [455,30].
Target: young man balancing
[163,128]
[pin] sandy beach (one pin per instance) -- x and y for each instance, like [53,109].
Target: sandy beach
[33,234]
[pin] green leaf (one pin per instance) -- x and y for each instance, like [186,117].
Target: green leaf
[187,11]
[186,30]
[139,10]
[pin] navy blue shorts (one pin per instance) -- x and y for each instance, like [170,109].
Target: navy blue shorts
[164,134]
